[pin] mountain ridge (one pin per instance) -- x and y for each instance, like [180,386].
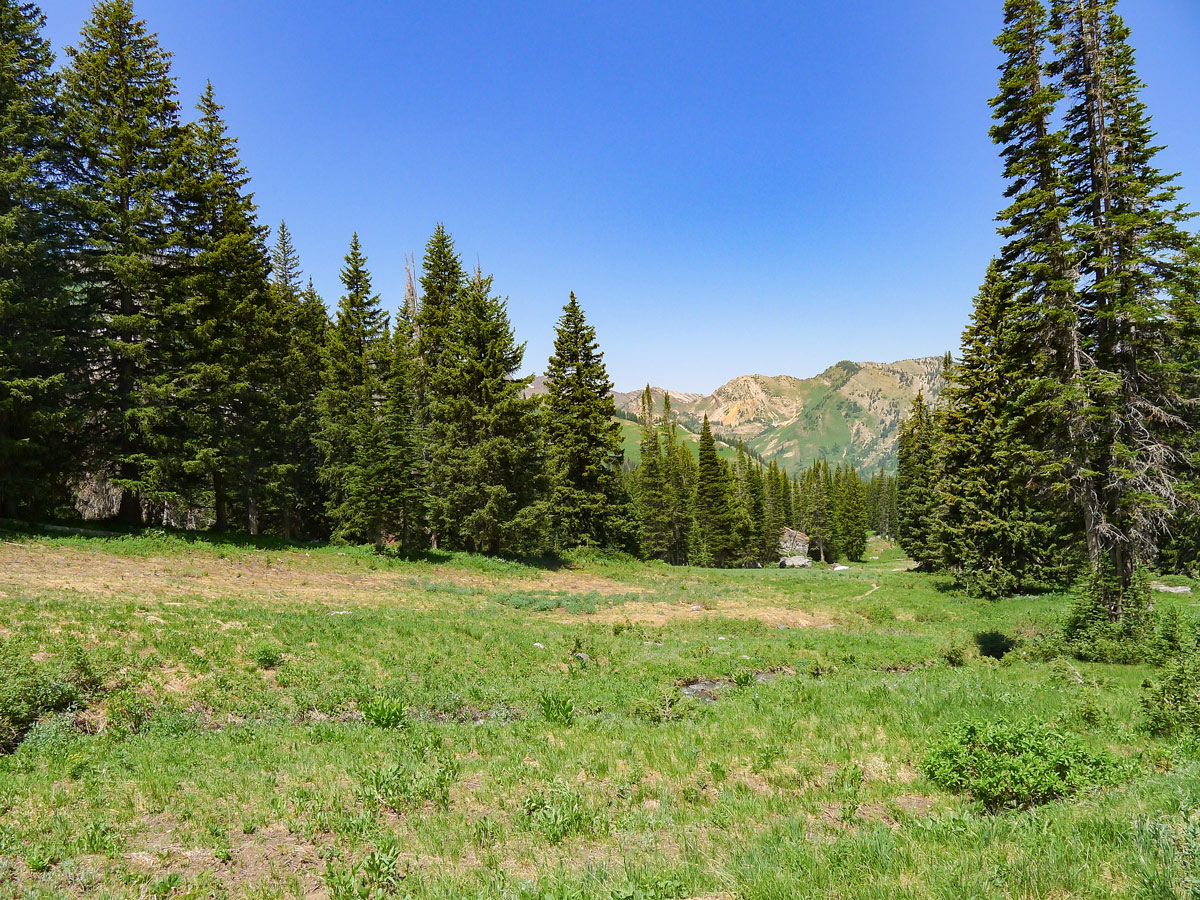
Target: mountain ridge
[850,413]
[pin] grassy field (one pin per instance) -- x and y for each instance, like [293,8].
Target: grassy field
[275,722]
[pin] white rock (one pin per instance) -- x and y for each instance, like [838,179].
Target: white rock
[539,646]
[1172,589]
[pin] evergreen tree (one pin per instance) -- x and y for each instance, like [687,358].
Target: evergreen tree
[1094,252]
[916,486]
[994,531]
[853,528]
[355,361]
[712,537]
[385,498]
[583,438]
[303,323]
[41,372]
[211,420]
[656,532]
[122,123]
[679,476]
[443,281]
[486,465]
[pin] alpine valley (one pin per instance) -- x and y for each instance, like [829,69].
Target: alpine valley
[851,412]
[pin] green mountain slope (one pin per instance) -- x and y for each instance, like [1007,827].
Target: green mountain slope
[851,412]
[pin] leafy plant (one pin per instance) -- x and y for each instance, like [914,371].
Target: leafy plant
[384,711]
[1017,764]
[424,774]
[559,813]
[267,656]
[557,708]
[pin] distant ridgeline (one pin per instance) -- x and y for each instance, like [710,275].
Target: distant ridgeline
[849,413]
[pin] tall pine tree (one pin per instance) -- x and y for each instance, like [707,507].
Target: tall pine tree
[41,370]
[122,124]
[583,439]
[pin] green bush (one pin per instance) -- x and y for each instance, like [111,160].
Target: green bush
[1142,634]
[423,774]
[267,656]
[29,690]
[1009,765]
[1171,703]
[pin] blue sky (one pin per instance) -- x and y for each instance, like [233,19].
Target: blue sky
[729,188]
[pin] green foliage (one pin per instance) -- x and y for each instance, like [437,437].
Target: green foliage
[1009,765]
[121,119]
[267,656]
[1171,702]
[1135,631]
[486,467]
[423,773]
[583,440]
[558,813]
[557,709]
[41,330]
[384,711]
[29,690]
[916,482]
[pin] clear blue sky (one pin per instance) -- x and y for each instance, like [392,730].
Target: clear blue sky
[728,187]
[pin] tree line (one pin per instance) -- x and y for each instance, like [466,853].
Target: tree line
[709,511]
[162,355]
[1066,441]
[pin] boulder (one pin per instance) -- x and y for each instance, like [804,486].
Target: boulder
[795,562]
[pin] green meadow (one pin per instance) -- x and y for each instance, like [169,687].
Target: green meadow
[198,718]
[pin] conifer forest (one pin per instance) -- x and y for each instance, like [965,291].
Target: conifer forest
[329,597]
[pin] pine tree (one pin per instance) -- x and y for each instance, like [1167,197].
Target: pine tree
[853,528]
[122,123]
[486,466]
[994,532]
[355,361]
[583,438]
[211,417]
[1126,224]
[679,474]
[653,489]
[302,322]
[916,482]
[41,370]
[712,537]
[1094,251]
[443,281]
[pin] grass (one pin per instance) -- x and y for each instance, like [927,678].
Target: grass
[273,721]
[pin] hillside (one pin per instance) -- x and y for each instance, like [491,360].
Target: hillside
[850,412]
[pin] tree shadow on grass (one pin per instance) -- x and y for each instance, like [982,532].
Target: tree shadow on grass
[101,530]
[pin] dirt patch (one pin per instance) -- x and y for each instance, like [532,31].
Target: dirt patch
[660,614]
[270,854]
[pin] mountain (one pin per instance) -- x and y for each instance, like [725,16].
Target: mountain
[851,412]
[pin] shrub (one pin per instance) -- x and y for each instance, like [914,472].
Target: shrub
[267,656]
[28,691]
[954,656]
[1017,764]
[384,711]
[1171,704]
[744,678]
[1142,633]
